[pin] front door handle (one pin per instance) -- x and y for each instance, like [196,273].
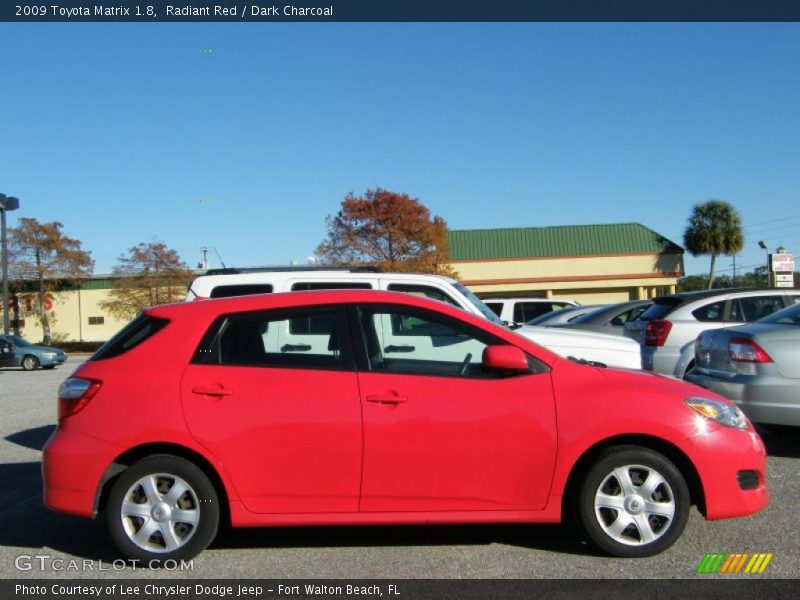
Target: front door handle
[212,391]
[394,348]
[386,398]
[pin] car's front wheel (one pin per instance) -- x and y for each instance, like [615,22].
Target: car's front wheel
[30,363]
[633,502]
[162,508]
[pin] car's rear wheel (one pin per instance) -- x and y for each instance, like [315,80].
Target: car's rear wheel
[162,508]
[30,363]
[633,502]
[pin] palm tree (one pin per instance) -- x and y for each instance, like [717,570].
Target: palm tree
[714,228]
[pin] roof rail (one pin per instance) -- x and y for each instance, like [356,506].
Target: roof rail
[289,268]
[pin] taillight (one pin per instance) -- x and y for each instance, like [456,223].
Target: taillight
[744,350]
[74,394]
[656,332]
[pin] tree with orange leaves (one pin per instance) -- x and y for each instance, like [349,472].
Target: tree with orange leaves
[391,231]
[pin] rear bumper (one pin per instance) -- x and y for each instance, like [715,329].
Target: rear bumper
[764,399]
[721,457]
[73,465]
[660,359]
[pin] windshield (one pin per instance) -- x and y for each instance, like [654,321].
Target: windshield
[478,303]
[787,316]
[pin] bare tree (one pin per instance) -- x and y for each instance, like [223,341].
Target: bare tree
[149,274]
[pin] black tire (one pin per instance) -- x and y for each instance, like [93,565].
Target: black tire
[688,370]
[645,531]
[200,501]
[30,363]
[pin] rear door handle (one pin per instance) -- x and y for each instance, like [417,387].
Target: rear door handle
[295,348]
[386,398]
[212,391]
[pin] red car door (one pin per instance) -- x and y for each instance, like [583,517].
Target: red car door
[440,434]
[275,398]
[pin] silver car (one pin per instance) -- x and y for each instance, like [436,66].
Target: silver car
[757,366]
[610,319]
[667,330]
[564,315]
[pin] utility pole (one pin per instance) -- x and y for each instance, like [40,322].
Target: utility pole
[7,203]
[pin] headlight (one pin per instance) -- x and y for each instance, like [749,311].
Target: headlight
[719,412]
[50,354]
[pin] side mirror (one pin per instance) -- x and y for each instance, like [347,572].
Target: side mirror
[504,358]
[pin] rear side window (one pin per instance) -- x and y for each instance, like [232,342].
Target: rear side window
[329,285]
[134,333]
[243,289]
[756,307]
[525,311]
[277,339]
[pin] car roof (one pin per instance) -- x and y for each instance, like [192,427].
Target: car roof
[211,308]
[276,275]
[302,298]
[686,297]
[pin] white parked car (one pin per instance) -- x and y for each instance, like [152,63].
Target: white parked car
[610,350]
[522,310]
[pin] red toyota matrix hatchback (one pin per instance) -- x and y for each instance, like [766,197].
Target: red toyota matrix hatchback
[366,407]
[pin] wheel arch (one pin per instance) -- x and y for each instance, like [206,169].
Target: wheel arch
[669,450]
[132,455]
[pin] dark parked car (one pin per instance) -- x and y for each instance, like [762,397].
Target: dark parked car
[6,353]
[32,356]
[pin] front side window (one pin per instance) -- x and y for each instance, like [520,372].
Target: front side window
[418,342]
[295,338]
[424,291]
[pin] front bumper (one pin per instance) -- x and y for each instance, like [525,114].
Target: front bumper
[763,398]
[721,457]
[52,361]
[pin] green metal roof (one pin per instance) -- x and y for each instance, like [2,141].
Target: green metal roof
[567,240]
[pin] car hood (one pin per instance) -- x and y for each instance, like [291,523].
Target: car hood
[611,350]
[37,348]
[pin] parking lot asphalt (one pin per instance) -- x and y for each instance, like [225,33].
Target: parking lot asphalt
[28,531]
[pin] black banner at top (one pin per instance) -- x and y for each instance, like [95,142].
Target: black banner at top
[243,11]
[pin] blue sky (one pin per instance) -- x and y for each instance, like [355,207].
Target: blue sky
[245,136]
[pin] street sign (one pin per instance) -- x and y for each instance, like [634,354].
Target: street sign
[784,277]
[781,262]
[784,284]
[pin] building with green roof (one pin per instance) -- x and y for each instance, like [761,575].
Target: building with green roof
[590,263]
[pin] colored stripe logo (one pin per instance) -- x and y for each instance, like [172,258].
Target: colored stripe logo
[740,562]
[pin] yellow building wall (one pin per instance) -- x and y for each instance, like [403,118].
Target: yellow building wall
[69,317]
[586,279]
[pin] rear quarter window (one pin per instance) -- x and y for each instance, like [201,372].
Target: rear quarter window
[659,310]
[134,333]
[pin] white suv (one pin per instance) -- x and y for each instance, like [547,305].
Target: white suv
[610,350]
[522,310]
[667,330]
